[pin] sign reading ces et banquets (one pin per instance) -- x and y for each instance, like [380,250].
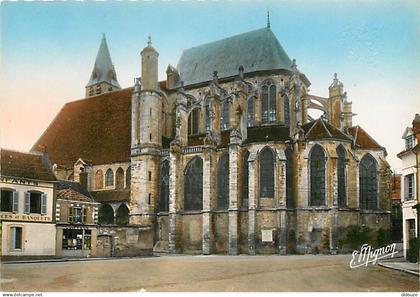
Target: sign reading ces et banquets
[24,217]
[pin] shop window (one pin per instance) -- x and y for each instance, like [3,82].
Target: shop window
[223,182]
[368,183]
[266,173]
[16,238]
[9,200]
[99,179]
[317,168]
[268,103]
[164,187]
[341,176]
[35,202]
[193,185]
[106,215]
[122,215]
[119,179]
[76,239]
[109,178]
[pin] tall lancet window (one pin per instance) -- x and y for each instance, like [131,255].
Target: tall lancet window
[164,187]
[368,183]
[317,167]
[223,182]
[193,185]
[208,113]
[225,119]
[341,176]
[251,112]
[245,179]
[266,173]
[268,102]
[193,121]
[289,178]
[286,110]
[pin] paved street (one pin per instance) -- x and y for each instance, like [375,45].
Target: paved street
[206,273]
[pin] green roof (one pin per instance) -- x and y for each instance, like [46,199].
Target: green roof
[256,50]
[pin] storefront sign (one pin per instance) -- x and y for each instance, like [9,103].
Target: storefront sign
[24,217]
[19,181]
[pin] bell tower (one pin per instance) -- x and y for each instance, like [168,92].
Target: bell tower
[146,142]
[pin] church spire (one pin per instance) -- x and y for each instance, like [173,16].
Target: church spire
[103,78]
[268,19]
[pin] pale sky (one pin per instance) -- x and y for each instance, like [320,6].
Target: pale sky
[48,50]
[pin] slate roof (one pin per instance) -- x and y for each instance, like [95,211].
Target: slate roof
[97,129]
[256,50]
[362,139]
[103,69]
[25,165]
[321,129]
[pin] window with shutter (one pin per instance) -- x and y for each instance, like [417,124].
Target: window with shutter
[16,238]
[317,169]
[27,202]
[7,200]
[44,203]
[85,213]
[71,214]
[15,201]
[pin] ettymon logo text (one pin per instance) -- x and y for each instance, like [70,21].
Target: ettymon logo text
[368,255]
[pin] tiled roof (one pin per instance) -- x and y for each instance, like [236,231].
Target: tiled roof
[362,139]
[66,184]
[257,50]
[70,194]
[96,129]
[25,165]
[321,129]
[111,195]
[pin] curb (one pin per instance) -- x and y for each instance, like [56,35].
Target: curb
[399,269]
[62,260]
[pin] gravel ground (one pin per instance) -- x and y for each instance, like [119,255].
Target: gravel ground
[206,273]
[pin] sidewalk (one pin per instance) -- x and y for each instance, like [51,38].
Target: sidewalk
[411,268]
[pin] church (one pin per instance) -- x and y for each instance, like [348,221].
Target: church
[222,157]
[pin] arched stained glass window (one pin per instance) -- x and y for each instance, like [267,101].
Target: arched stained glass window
[368,183]
[223,182]
[193,121]
[289,178]
[317,167]
[208,113]
[341,176]
[251,112]
[193,185]
[109,178]
[245,179]
[99,179]
[268,103]
[286,110]
[225,119]
[266,173]
[164,187]
[119,178]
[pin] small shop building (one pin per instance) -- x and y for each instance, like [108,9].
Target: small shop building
[77,216]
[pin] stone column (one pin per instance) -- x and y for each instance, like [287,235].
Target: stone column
[235,139]
[173,198]
[207,194]
[251,204]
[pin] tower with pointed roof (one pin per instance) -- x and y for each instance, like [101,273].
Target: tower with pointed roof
[103,78]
